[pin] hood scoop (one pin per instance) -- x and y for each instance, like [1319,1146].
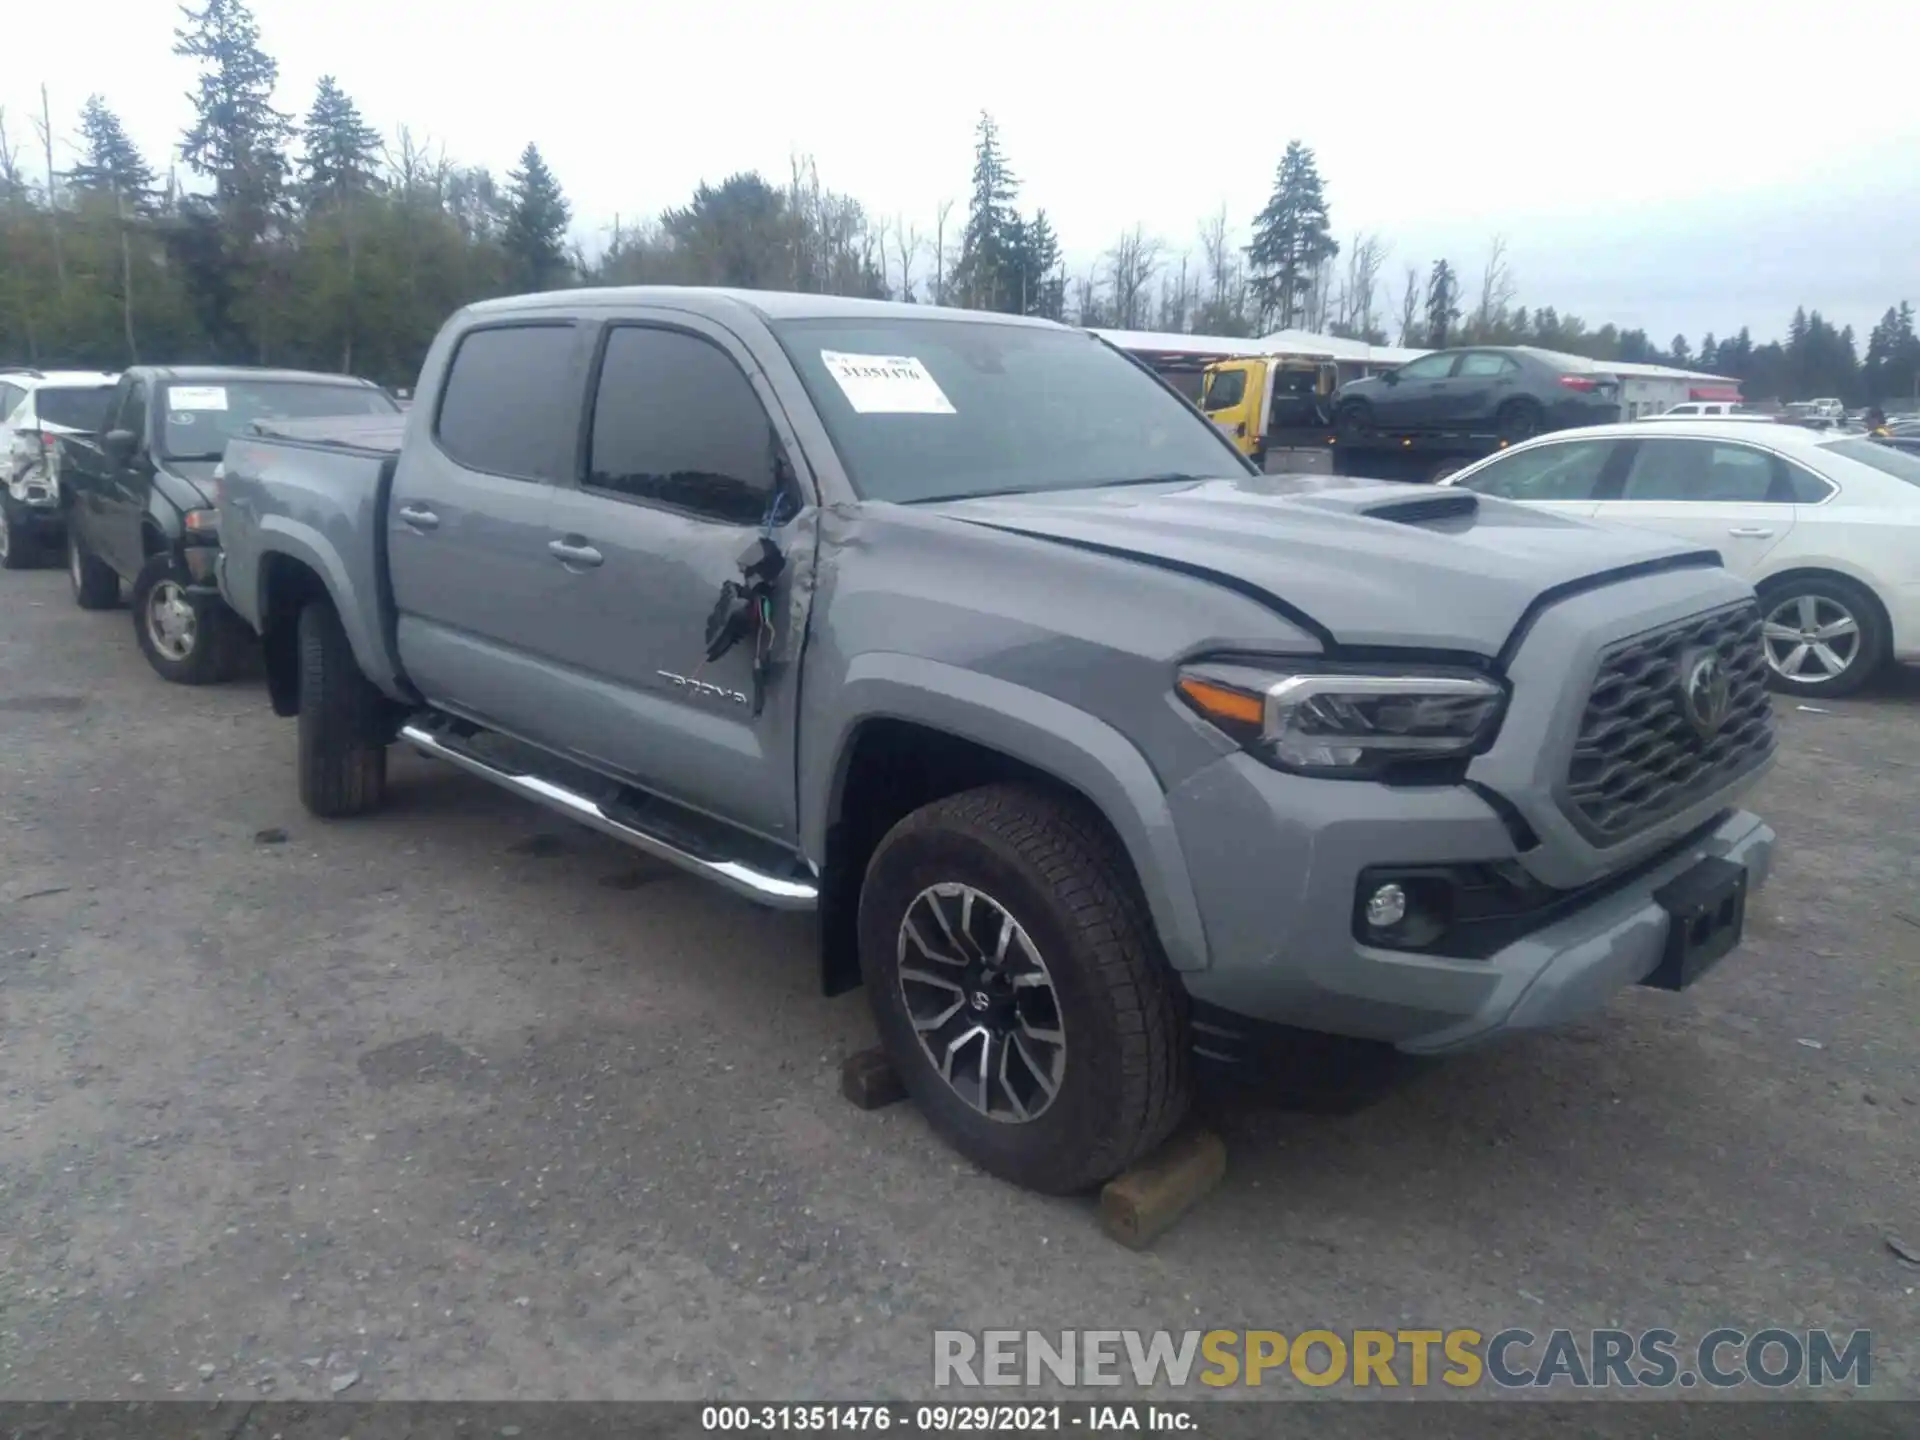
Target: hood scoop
[1425,509]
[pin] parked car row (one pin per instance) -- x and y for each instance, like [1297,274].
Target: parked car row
[1104,759]
[122,471]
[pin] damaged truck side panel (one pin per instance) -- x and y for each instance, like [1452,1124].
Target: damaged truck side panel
[962,633]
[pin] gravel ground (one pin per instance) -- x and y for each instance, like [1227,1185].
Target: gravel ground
[462,1102]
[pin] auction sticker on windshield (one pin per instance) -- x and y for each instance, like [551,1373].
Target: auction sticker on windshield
[197,397]
[886,384]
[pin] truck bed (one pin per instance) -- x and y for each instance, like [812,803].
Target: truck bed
[314,491]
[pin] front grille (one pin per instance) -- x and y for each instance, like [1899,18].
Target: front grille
[1640,758]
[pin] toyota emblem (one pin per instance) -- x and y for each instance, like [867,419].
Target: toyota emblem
[1706,693]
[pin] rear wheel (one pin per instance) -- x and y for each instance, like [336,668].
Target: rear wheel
[1019,988]
[1519,420]
[190,638]
[1354,420]
[95,586]
[1823,635]
[17,548]
[343,722]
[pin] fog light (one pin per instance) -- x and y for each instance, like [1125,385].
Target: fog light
[1386,907]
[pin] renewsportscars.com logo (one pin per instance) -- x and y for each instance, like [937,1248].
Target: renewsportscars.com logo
[1509,1359]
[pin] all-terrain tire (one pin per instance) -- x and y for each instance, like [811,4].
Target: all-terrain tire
[1050,865]
[342,721]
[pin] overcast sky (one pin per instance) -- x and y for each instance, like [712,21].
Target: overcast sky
[1678,166]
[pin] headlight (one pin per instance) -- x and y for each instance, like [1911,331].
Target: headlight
[1348,724]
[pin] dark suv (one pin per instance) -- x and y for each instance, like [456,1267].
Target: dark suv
[1514,392]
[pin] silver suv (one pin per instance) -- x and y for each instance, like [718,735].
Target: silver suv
[38,407]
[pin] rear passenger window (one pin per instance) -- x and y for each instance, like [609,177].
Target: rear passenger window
[676,422]
[507,405]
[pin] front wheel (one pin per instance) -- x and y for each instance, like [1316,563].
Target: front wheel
[1823,636]
[95,586]
[342,724]
[188,636]
[1019,989]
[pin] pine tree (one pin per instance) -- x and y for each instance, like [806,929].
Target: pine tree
[1291,237]
[341,149]
[535,235]
[113,165]
[1042,285]
[986,277]
[1682,352]
[237,138]
[1709,355]
[1443,306]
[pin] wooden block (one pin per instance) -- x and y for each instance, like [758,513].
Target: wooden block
[869,1081]
[1139,1205]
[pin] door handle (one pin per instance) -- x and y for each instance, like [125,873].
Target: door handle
[418,517]
[569,552]
[1751,532]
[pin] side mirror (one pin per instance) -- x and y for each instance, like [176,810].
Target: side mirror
[119,445]
[1392,377]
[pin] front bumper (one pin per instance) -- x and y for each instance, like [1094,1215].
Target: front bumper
[1284,953]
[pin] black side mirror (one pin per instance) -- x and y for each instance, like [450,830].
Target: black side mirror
[119,445]
[1392,377]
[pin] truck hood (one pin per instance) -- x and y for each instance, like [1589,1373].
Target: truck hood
[1356,562]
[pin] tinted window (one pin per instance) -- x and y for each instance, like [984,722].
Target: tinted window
[1700,470]
[1226,387]
[77,409]
[1887,459]
[1427,367]
[675,421]
[507,404]
[1565,471]
[920,409]
[1482,365]
[202,416]
[1803,486]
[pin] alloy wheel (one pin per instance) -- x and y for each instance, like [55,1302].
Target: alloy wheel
[171,624]
[1810,638]
[982,1002]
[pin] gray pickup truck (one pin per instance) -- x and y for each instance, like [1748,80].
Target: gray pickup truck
[1103,759]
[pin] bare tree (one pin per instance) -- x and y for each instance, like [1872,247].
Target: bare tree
[45,126]
[1365,256]
[1216,251]
[1410,307]
[1131,265]
[906,240]
[1496,288]
[940,252]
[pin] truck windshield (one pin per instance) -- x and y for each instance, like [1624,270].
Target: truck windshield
[200,419]
[75,407]
[942,409]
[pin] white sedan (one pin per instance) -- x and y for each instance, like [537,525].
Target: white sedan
[1825,525]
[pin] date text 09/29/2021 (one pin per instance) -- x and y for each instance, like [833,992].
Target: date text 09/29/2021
[912,1419]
